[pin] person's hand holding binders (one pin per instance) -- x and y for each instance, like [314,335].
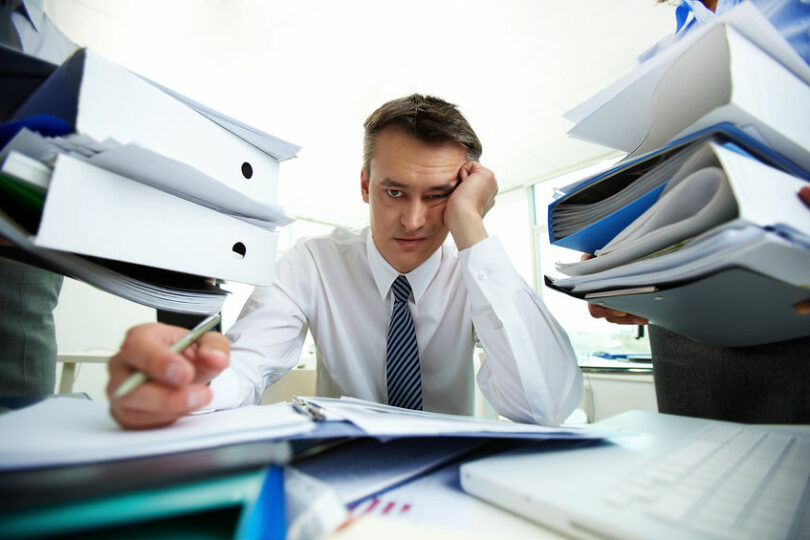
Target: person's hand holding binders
[177,382]
[620,317]
[612,315]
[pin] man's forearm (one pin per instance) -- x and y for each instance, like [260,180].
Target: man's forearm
[468,230]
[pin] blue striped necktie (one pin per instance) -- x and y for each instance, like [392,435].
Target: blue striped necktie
[402,353]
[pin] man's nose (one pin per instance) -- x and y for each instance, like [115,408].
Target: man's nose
[414,215]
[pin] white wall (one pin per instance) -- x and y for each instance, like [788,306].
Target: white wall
[92,321]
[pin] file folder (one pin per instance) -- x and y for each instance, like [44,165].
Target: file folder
[95,212]
[717,75]
[595,235]
[247,504]
[735,307]
[103,100]
[736,82]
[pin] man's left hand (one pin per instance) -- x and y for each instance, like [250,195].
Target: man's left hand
[470,201]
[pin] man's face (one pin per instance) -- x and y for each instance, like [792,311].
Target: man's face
[407,191]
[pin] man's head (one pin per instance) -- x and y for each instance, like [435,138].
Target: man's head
[426,118]
[414,148]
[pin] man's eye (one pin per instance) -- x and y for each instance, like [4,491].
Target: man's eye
[439,196]
[394,193]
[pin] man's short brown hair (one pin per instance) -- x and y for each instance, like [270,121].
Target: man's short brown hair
[425,118]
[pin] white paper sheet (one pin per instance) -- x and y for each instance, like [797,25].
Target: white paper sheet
[384,420]
[64,431]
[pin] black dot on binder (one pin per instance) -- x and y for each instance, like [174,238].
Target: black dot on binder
[247,170]
[239,250]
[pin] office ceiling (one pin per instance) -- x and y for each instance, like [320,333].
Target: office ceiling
[311,71]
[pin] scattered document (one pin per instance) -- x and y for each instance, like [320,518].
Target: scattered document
[734,244]
[363,468]
[384,421]
[68,431]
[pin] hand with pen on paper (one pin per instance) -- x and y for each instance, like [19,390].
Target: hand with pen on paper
[619,317]
[177,382]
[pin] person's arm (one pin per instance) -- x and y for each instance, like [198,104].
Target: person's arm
[470,201]
[266,341]
[530,372]
[267,338]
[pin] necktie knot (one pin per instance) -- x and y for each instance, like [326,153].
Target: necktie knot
[401,288]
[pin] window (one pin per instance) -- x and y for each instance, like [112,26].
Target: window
[588,335]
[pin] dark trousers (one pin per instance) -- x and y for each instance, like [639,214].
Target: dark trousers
[766,384]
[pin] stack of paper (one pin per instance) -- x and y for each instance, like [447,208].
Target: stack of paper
[702,219]
[67,431]
[737,69]
[129,175]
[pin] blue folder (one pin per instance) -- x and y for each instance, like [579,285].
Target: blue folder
[598,233]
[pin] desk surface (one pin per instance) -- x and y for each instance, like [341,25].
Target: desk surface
[435,506]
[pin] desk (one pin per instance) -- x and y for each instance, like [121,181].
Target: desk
[616,385]
[438,508]
[69,363]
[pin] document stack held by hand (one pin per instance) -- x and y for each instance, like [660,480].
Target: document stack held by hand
[699,229]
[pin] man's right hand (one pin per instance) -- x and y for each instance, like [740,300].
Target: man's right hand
[177,382]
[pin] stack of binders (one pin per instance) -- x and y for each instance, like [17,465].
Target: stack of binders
[110,178]
[699,229]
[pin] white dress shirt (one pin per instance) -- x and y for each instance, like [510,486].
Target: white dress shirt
[339,286]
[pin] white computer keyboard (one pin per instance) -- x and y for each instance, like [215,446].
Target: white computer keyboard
[730,482]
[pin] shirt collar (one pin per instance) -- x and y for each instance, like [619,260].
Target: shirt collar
[384,274]
[34,11]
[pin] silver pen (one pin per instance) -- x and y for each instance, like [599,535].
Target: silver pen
[139,377]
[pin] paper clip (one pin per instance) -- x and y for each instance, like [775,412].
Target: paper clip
[308,409]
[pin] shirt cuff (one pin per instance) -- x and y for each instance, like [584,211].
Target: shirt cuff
[488,273]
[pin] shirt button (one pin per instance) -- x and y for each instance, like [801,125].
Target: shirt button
[482,275]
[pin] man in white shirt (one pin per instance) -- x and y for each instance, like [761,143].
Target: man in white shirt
[421,179]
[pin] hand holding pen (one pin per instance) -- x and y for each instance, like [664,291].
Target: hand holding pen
[175,382]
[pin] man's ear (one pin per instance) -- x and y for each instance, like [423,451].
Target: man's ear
[364,185]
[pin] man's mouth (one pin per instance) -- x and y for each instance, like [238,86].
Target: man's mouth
[405,241]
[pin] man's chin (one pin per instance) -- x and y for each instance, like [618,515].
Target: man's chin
[403,265]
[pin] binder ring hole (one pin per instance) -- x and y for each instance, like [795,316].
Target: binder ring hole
[247,170]
[239,250]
